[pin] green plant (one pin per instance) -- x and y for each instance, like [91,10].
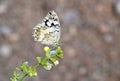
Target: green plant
[51,59]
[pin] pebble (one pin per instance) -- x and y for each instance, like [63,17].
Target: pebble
[3,8]
[108,38]
[5,50]
[104,29]
[116,7]
[5,30]
[14,37]
[9,35]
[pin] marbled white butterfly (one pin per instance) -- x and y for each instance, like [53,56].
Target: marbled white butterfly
[48,32]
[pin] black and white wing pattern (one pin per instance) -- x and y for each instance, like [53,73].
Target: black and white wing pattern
[48,32]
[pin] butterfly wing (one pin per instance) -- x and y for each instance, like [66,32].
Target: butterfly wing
[48,32]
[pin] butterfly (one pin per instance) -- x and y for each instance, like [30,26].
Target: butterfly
[48,31]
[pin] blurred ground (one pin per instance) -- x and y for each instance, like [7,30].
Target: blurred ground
[90,38]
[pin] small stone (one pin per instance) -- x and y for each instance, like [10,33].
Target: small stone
[108,38]
[5,30]
[3,8]
[5,50]
[116,7]
[12,37]
[104,29]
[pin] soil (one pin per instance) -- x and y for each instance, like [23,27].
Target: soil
[90,38]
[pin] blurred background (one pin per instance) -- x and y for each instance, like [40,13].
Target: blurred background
[90,38]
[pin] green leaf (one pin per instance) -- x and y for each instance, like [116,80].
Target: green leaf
[34,73]
[54,61]
[44,61]
[38,59]
[58,50]
[47,52]
[30,71]
[60,55]
[48,66]
[24,68]
[16,77]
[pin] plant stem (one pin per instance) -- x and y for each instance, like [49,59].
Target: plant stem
[23,77]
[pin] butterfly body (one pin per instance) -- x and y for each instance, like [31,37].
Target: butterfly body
[48,32]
